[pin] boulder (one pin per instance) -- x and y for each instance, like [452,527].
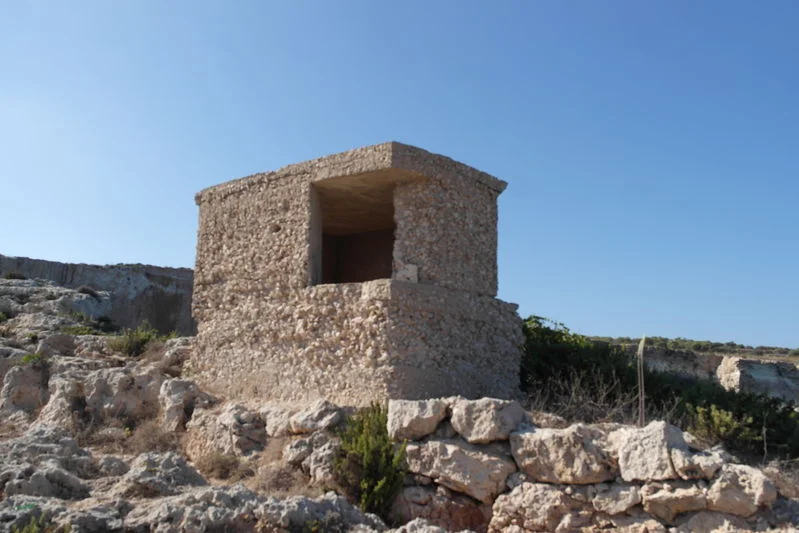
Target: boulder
[58,344]
[414,419]
[486,420]
[235,430]
[461,467]
[178,399]
[157,474]
[277,419]
[740,490]
[709,522]
[24,389]
[130,392]
[48,479]
[320,415]
[536,507]
[644,454]
[569,455]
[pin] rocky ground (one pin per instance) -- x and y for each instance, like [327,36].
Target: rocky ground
[92,440]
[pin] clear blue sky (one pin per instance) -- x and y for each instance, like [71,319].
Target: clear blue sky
[651,147]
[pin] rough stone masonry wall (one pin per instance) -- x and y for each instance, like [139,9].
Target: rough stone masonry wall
[263,330]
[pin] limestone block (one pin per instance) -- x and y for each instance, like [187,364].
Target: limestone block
[615,498]
[440,507]
[570,455]
[486,420]
[644,453]
[461,467]
[740,490]
[322,414]
[534,507]
[414,419]
[665,501]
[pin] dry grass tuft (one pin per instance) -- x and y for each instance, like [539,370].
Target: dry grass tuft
[223,466]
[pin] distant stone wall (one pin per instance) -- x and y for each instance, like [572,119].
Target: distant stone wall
[162,296]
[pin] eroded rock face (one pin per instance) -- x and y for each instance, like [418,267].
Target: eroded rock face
[461,467]
[415,419]
[570,455]
[320,415]
[666,501]
[24,389]
[178,399]
[616,499]
[155,474]
[774,379]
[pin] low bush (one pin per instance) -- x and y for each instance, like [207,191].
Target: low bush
[3,317]
[85,289]
[41,524]
[13,275]
[598,380]
[133,342]
[37,360]
[370,467]
[91,326]
[220,465]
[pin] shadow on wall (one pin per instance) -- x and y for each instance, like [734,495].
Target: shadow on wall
[159,295]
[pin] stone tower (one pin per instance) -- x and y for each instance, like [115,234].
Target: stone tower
[359,276]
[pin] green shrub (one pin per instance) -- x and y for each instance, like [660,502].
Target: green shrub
[370,466]
[133,342]
[42,524]
[3,317]
[37,360]
[13,275]
[602,376]
[90,326]
[32,337]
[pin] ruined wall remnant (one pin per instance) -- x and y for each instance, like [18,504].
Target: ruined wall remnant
[358,276]
[159,295]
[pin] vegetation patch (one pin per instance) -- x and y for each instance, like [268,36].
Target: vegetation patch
[370,467]
[37,361]
[13,275]
[133,342]
[597,381]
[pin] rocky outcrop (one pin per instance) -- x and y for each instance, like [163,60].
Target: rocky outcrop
[162,296]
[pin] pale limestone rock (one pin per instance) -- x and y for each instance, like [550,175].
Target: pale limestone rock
[296,451]
[644,453]
[112,466]
[701,465]
[277,419]
[665,501]
[616,498]
[440,507]
[709,522]
[568,455]
[320,415]
[24,389]
[233,430]
[639,523]
[461,467]
[486,420]
[58,344]
[157,474]
[178,399]
[48,479]
[740,490]
[65,396]
[129,392]
[412,420]
[533,507]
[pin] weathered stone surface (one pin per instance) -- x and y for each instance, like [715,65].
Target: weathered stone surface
[318,463]
[112,466]
[709,522]
[486,420]
[233,430]
[546,420]
[667,500]
[277,419]
[740,490]
[414,419]
[58,344]
[534,507]
[461,467]
[570,455]
[47,480]
[157,474]
[616,498]
[440,507]
[128,392]
[24,389]
[701,465]
[419,525]
[637,523]
[330,512]
[320,415]
[644,453]
[178,399]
